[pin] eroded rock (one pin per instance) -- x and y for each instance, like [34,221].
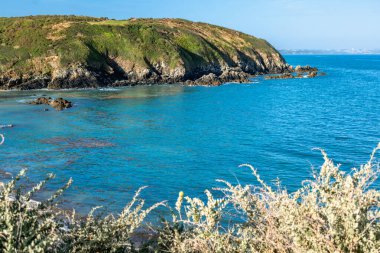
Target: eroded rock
[59,104]
[298,72]
[228,75]
[305,69]
[283,76]
[312,74]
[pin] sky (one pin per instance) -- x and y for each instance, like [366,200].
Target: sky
[286,24]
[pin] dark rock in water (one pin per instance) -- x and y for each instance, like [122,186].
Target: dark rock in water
[46,109]
[232,75]
[210,79]
[283,76]
[312,74]
[298,72]
[305,69]
[41,101]
[59,104]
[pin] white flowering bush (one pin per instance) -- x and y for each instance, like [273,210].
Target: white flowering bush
[108,234]
[30,226]
[26,225]
[334,212]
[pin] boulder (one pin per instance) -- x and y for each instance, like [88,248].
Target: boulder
[312,74]
[283,76]
[59,104]
[305,69]
[41,101]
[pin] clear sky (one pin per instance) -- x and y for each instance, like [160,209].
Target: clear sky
[287,24]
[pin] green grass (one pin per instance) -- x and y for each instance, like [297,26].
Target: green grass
[93,42]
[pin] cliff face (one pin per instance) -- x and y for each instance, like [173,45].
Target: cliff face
[78,52]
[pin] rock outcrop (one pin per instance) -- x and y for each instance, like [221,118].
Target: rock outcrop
[298,72]
[59,104]
[305,69]
[282,76]
[60,52]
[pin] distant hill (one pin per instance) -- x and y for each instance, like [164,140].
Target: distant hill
[328,52]
[77,52]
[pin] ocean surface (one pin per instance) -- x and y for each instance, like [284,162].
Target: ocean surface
[175,138]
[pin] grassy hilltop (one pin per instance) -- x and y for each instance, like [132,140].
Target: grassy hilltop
[71,51]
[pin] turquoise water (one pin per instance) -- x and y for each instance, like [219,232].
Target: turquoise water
[174,138]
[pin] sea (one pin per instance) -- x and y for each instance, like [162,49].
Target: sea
[174,138]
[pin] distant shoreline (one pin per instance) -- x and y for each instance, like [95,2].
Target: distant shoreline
[327,52]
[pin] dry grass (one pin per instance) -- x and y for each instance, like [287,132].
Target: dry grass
[56,31]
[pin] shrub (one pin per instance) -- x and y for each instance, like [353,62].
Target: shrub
[108,234]
[30,226]
[27,226]
[334,212]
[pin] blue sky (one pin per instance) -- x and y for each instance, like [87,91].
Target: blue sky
[287,24]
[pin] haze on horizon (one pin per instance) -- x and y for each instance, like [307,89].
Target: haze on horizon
[286,24]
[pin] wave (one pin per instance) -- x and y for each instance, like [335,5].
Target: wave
[108,89]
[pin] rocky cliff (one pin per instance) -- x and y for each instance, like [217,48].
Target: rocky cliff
[78,52]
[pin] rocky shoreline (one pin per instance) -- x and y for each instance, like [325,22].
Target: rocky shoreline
[82,77]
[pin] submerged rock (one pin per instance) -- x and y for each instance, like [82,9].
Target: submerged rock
[59,104]
[78,143]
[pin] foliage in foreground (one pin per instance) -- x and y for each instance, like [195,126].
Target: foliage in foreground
[29,226]
[334,212]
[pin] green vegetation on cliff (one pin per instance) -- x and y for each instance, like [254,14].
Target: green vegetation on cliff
[53,50]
